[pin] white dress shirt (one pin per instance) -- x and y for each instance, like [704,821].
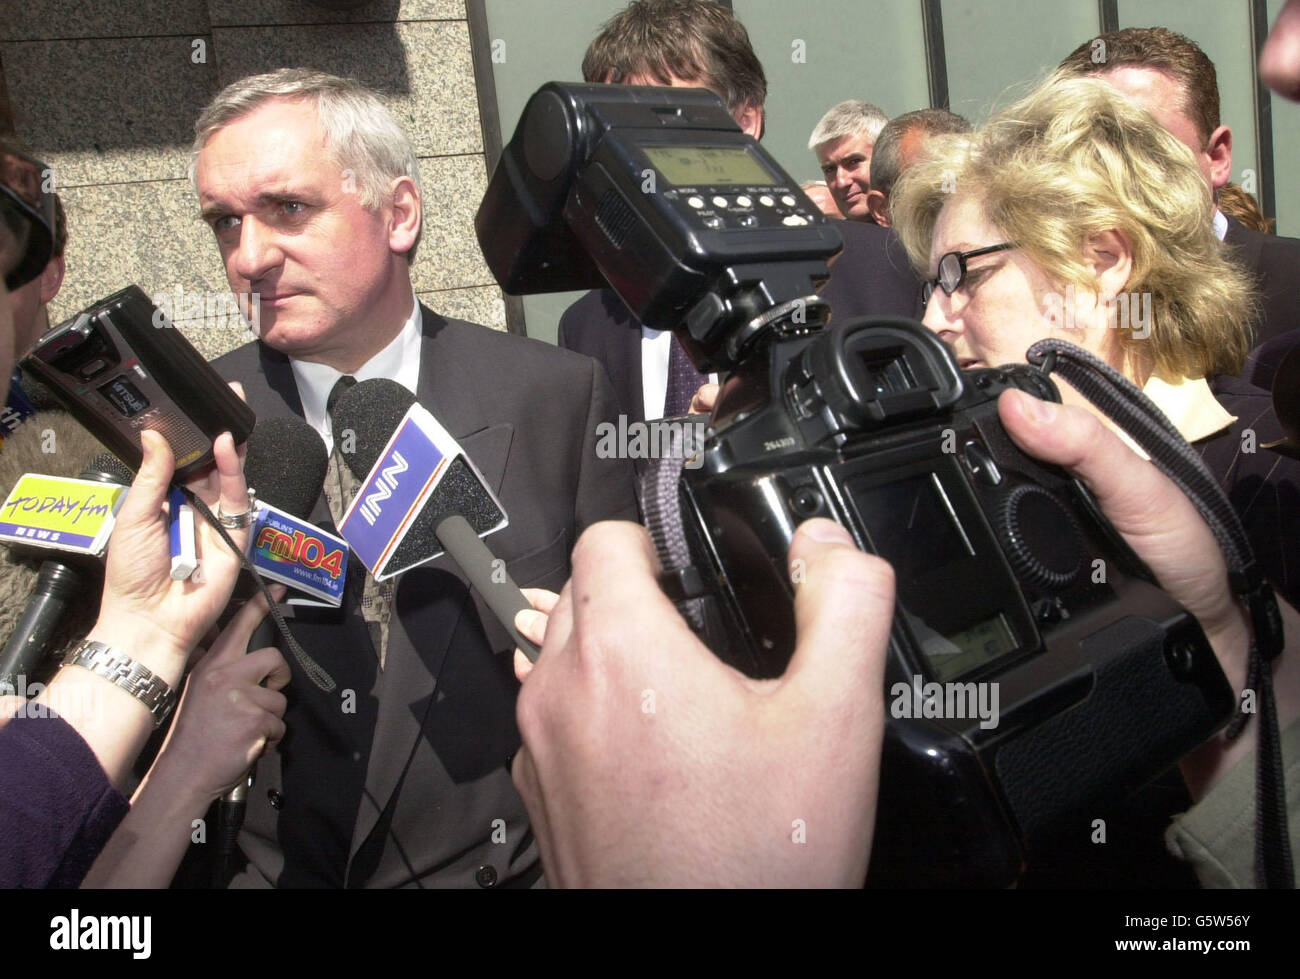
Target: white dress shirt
[656,347]
[399,361]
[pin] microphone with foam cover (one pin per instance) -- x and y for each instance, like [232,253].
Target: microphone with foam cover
[50,442]
[54,443]
[459,508]
[286,464]
[61,586]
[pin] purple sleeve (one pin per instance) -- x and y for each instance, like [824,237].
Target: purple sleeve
[57,808]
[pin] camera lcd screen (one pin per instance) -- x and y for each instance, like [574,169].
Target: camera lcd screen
[912,524]
[694,166]
[958,653]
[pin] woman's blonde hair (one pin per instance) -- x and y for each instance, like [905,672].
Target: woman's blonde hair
[1072,159]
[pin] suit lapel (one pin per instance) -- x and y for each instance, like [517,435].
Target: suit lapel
[280,396]
[410,675]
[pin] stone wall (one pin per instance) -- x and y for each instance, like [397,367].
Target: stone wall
[107,91]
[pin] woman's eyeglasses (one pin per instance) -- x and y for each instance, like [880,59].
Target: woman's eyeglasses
[952,269]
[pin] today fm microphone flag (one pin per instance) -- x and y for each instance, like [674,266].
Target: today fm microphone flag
[59,512]
[78,515]
[415,461]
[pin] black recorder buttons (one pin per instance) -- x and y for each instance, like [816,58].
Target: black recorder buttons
[1041,537]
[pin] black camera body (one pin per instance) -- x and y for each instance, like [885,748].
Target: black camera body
[1034,668]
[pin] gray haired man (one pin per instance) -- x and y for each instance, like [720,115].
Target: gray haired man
[400,777]
[843,141]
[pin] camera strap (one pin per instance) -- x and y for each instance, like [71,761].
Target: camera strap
[1121,401]
[661,510]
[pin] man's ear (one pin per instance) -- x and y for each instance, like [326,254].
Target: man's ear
[1219,150]
[1110,256]
[750,119]
[407,217]
[878,206]
[52,279]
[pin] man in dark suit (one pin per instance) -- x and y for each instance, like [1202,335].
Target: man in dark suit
[400,777]
[1173,79]
[1276,262]
[696,44]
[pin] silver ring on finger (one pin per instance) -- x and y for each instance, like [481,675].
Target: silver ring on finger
[238,521]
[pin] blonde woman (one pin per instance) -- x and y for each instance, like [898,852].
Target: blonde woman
[1073,214]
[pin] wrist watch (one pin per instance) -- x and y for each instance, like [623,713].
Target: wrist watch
[135,678]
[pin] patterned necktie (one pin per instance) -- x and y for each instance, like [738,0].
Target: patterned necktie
[341,485]
[340,488]
[683,381]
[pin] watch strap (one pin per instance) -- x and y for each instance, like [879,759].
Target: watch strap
[133,677]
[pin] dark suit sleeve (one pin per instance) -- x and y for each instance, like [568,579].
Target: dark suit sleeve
[1274,261]
[585,326]
[600,326]
[579,328]
[605,489]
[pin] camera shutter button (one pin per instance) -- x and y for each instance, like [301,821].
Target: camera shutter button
[1041,537]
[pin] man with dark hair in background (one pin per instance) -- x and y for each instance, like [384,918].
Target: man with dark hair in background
[1171,77]
[900,144]
[684,43]
[688,44]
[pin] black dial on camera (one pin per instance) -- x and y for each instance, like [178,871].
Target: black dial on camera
[1041,538]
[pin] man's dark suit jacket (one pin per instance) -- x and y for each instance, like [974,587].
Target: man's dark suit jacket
[871,277]
[1275,263]
[411,786]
